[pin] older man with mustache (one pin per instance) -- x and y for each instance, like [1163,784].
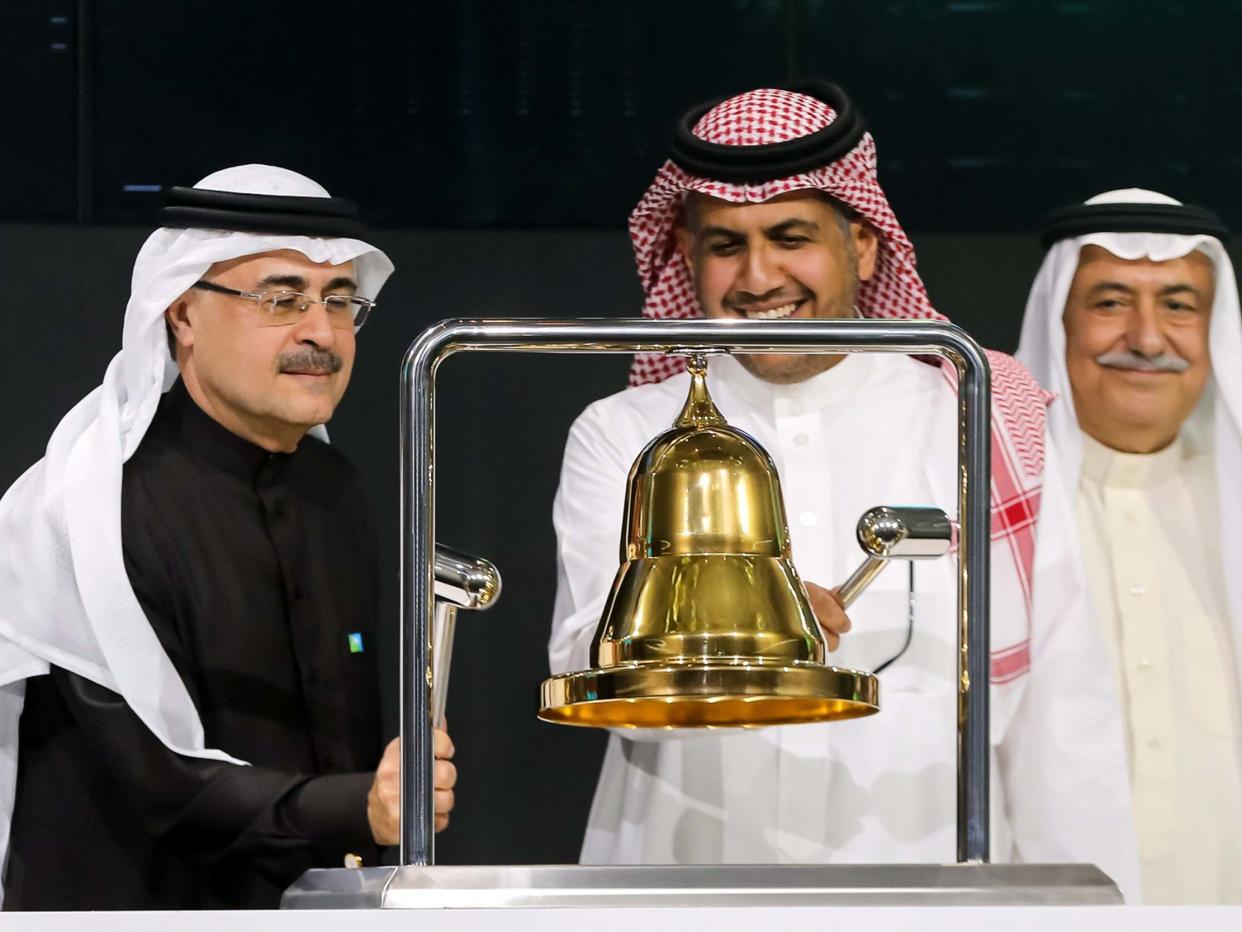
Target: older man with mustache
[1133,321]
[189,581]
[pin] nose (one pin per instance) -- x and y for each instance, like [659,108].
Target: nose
[1145,334]
[761,272]
[313,327]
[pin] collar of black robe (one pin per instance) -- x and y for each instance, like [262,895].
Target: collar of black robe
[182,417]
[756,164]
[1081,219]
[201,208]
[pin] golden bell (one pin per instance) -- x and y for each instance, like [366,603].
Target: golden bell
[708,623]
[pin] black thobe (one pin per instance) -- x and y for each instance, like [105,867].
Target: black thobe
[258,574]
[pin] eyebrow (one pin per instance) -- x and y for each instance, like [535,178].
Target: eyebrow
[1179,287]
[785,226]
[341,283]
[1175,288]
[796,223]
[298,283]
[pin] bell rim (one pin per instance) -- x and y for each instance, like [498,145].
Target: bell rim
[708,695]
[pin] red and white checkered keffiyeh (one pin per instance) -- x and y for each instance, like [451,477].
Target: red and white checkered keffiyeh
[895,291]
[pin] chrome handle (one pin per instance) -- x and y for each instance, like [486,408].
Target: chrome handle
[461,581]
[896,533]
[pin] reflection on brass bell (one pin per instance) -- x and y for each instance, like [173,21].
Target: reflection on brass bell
[708,623]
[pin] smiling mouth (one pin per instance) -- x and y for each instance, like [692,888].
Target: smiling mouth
[778,312]
[1135,370]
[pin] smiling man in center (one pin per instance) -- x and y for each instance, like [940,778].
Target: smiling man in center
[796,255]
[769,208]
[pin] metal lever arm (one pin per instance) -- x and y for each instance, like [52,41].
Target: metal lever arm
[461,581]
[859,580]
[886,533]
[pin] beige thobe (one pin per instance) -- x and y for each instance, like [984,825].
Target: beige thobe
[1151,534]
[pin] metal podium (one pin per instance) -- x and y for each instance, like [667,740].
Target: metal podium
[419,883]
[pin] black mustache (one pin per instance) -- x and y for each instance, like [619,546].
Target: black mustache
[317,361]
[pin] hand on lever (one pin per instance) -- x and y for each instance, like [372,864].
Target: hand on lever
[829,613]
[445,778]
[384,800]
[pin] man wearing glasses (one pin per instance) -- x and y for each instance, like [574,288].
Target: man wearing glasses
[189,581]
[267,360]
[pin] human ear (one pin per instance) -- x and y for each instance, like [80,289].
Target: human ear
[685,243]
[866,247]
[179,323]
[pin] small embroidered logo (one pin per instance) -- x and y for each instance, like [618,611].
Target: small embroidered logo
[355,642]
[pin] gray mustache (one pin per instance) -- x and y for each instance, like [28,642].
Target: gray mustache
[317,361]
[1126,359]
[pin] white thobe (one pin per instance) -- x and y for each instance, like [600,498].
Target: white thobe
[1151,531]
[875,429]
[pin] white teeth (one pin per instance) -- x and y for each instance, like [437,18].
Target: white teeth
[774,313]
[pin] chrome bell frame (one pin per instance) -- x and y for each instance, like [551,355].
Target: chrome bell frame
[419,884]
[418,405]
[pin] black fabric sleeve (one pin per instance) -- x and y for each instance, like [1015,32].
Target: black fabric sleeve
[213,809]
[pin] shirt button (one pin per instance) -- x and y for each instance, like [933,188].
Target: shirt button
[1145,665]
[1153,743]
[1138,590]
[796,407]
[330,760]
[808,519]
[801,440]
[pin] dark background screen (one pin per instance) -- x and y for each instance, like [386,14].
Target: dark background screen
[521,113]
